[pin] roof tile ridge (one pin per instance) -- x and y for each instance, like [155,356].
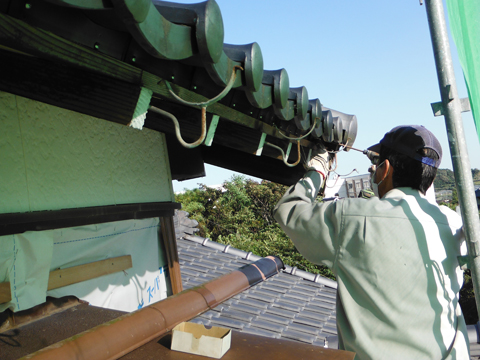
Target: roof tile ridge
[228,249]
[317,278]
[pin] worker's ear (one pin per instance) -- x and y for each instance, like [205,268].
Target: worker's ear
[383,170]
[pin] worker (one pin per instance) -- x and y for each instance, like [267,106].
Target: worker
[394,255]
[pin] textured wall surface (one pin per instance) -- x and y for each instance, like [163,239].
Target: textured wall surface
[52,158]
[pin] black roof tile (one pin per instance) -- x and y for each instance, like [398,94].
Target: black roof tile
[273,287]
[312,330]
[210,314]
[238,315]
[231,323]
[294,296]
[314,315]
[317,309]
[261,332]
[252,302]
[189,270]
[307,321]
[283,305]
[299,336]
[274,318]
[263,324]
[329,330]
[281,312]
[261,291]
[261,297]
[246,308]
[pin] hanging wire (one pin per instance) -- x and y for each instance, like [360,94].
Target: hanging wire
[303,136]
[283,154]
[203,106]
[177,127]
[213,100]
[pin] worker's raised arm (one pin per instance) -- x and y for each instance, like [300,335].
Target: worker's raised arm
[310,225]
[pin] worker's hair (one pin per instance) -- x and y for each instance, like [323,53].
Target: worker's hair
[408,172]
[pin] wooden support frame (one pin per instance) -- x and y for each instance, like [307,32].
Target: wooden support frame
[75,274]
[169,241]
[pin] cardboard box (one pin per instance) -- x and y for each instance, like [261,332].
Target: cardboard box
[196,339]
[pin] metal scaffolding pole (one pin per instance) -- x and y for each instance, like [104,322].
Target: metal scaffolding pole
[451,108]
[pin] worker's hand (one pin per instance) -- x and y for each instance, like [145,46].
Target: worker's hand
[320,162]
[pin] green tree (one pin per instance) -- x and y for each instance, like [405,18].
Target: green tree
[240,215]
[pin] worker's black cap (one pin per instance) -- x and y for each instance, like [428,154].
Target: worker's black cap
[408,139]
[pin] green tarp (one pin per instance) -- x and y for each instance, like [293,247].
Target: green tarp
[464,16]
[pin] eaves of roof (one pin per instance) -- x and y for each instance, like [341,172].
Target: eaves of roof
[180,50]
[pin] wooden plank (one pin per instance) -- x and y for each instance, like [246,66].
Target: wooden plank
[170,243]
[5,294]
[14,223]
[61,85]
[76,274]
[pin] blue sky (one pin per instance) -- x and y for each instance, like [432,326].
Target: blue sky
[372,58]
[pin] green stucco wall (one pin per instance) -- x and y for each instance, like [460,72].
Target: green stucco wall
[52,158]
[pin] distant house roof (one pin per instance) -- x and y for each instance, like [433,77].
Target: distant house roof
[176,52]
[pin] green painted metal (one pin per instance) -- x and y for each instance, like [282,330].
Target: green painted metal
[251,56]
[158,36]
[205,18]
[143,102]
[211,130]
[289,148]
[138,10]
[261,144]
[302,118]
[288,112]
[220,72]
[263,98]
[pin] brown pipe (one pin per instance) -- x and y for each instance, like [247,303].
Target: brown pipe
[128,332]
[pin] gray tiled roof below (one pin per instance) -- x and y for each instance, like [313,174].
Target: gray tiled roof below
[284,306]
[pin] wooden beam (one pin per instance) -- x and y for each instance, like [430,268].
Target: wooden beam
[21,36]
[75,274]
[72,275]
[170,243]
[5,294]
[14,223]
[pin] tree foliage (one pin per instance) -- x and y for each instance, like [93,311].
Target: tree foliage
[240,215]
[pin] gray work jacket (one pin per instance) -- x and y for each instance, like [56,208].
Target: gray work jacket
[395,260]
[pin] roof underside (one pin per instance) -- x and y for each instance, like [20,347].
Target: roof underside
[179,49]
